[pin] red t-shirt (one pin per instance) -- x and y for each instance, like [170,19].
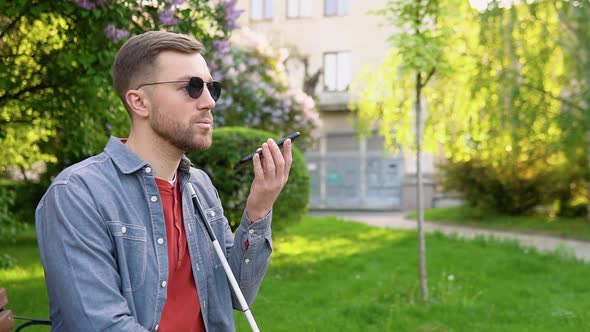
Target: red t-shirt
[182,310]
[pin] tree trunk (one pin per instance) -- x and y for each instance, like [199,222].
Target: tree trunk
[23,171]
[421,240]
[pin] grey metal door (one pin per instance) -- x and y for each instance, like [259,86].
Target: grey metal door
[337,181]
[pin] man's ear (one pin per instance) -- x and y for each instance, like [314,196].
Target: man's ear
[138,102]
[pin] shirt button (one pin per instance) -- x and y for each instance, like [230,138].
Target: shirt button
[212,213]
[160,241]
[148,170]
[247,260]
[154,199]
[251,231]
[164,283]
[157,327]
[123,229]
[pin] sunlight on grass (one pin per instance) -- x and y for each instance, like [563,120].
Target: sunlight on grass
[21,274]
[301,249]
[344,276]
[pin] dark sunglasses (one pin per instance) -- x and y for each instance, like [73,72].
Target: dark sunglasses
[195,87]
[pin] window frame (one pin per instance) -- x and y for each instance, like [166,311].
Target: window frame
[265,16]
[299,11]
[336,82]
[337,11]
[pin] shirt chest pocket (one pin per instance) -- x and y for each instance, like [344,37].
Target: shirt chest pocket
[130,243]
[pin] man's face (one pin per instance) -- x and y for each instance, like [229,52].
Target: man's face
[176,117]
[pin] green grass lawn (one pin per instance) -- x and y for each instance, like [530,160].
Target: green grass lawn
[328,275]
[331,275]
[24,282]
[576,228]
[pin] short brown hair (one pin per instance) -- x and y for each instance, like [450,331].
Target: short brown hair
[137,57]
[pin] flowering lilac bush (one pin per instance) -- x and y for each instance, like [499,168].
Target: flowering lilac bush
[178,15]
[90,4]
[257,93]
[114,34]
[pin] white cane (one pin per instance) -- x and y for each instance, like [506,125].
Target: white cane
[221,255]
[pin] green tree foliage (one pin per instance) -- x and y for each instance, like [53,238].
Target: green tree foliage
[385,96]
[512,103]
[504,103]
[393,95]
[508,108]
[56,98]
[574,39]
[230,144]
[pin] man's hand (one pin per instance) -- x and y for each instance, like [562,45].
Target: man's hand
[6,316]
[270,175]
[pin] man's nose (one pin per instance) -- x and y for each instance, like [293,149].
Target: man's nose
[206,101]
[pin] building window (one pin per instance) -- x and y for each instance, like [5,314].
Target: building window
[299,8]
[336,7]
[337,71]
[260,9]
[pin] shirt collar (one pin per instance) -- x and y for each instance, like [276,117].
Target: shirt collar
[185,164]
[128,162]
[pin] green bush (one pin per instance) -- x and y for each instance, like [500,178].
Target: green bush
[8,223]
[574,211]
[229,145]
[518,187]
[22,199]
[507,190]
[568,189]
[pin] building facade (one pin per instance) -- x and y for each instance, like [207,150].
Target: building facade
[329,42]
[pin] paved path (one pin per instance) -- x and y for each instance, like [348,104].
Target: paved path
[397,220]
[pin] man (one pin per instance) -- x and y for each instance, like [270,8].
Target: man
[6,316]
[120,242]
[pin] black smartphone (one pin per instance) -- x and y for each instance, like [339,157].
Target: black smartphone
[249,157]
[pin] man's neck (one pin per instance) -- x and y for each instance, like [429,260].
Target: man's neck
[161,155]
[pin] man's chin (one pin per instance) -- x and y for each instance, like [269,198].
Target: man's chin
[201,144]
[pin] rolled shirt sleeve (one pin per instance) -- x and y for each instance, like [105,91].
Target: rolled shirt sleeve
[250,265]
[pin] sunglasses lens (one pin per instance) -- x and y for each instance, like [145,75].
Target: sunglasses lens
[214,89]
[195,87]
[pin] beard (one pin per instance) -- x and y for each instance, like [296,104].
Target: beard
[186,138]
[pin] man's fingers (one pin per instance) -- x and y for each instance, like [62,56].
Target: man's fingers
[269,165]
[287,156]
[258,171]
[273,162]
[278,159]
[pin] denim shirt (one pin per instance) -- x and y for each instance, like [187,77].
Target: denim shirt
[102,238]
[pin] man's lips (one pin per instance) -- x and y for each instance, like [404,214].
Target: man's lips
[205,123]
